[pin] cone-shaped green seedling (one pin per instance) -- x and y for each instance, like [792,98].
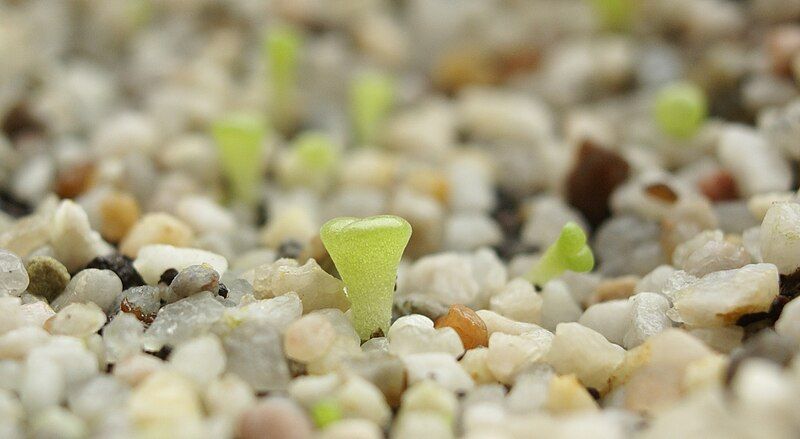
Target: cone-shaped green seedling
[282,49]
[366,253]
[325,412]
[371,98]
[311,162]
[569,252]
[680,109]
[239,139]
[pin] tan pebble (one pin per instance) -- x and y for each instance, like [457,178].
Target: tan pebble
[156,228]
[75,181]
[119,211]
[612,289]
[469,326]
[566,394]
[275,418]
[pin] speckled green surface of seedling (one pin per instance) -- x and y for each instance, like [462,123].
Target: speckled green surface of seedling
[366,252]
[681,109]
[239,138]
[282,49]
[569,252]
[615,15]
[371,97]
[325,412]
[316,152]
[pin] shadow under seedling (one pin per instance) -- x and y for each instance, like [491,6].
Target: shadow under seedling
[366,253]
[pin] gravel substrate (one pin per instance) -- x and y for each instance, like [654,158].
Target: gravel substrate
[293,219]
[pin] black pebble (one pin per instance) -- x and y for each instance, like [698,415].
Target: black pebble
[12,206]
[168,276]
[162,353]
[290,249]
[122,266]
[223,290]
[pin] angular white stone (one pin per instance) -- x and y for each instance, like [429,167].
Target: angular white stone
[780,237]
[439,367]
[446,277]
[581,351]
[100,287]
[518,301]
[509,354]
[13,277]
[201,359]
[316,288]
[183,320]
[648,317]
[610,318]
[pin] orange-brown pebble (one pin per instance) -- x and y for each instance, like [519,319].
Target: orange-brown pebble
[119,211]
[783,44]
[662,192]
[75,181]
[463,67]
[469,326]
[612,289]
[719,186]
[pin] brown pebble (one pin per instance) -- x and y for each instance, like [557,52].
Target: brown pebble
[783,44]
[662,192]
[48,277]
[75,181]
[719,186]
[119,211]
[612,289]
[275,418]
[469,326]
[463,67]
[596,173]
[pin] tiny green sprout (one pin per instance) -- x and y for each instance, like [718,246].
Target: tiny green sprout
[325,412]
[615,15]
[371,97]
[239,138]
[366,253]
[316,152]
[569,252]
[282,49]
[680,109]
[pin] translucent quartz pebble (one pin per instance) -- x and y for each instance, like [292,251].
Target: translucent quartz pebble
[581,351]
[194,279]
[100,287]
[255,354]
[316,288]
[13,277]
[122,337]
[780,231]
[153,260]
[183,320]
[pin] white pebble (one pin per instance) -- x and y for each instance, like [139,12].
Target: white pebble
[152,260]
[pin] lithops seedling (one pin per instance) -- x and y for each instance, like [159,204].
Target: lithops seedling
[680,109]
[282,49]
[367,252]
[239,138]
[569,252]
[371,98]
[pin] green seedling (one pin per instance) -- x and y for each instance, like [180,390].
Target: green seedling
[680,109]
[310,162]
[325,412]
[239,138]
[371,97]
[282,50]
[615,15]
[366,253]
[569,252]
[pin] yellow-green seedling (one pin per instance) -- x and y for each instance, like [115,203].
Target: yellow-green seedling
[371,97]
[680,109]
[366,253]
[282,50]
[311,161]
[325,412]
[240,138]
[615,15]
[569,252]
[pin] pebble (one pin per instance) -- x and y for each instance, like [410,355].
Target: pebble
[119,212]
[755,165]
[156,228]
[143,302]
[204,215]
[359,398]
[153,260]
[316,288]
[201,359]
[411,334]
[419,304]
[308,338]
[382,369]
[122,337]
[566,395]
[474,362]
[779,236]
[558,305]
[275,418]
[446,277]
[722,297]
[77,320]
[518,301]
[228,396]
[166,405]
[58,422]
[470,231]
[595,174]
[648,317]
[13,277]
[611,319]
[497,323]
[183,320]
[49,277]
[194,279]
[121,265]
[134,369]
[17,343]
[612,289]
[351,429]
[509,354]
[73,241]
[469,326]
[100,287]
[579,350]
[255,353]
[439,367]
[707,252]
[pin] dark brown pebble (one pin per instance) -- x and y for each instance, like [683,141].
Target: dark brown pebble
[594,176]
[223,290]
[168,276]
[19,122]
[719,186]
[122,266]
